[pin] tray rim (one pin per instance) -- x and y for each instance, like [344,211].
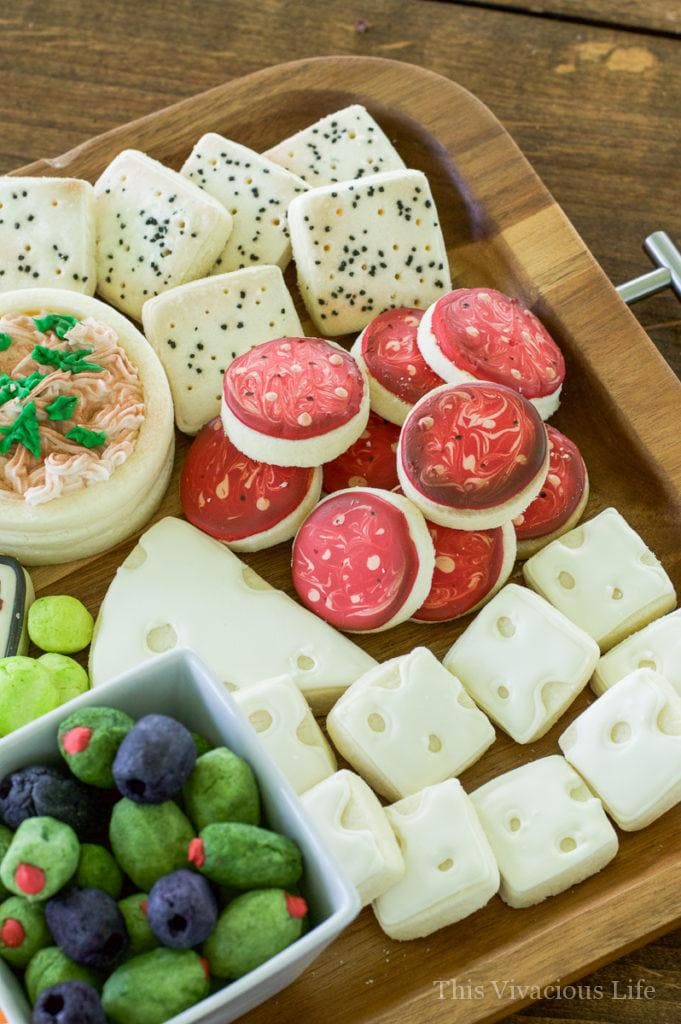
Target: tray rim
[550,287]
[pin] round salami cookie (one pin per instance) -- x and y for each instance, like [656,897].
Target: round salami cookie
[370,462]
[482,334]
[561,502]
[398,374]
[470,566]
[472,456]
[363,560]
[294,401]
[245,504]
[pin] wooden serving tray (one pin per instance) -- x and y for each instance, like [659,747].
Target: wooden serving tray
[622,404]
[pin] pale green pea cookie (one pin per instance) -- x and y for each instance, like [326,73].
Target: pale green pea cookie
[153,987]
[67,675]
[26,692]
[50,967]
[97,869]
[134,911]
[23,930]
[42,857]
[60,624]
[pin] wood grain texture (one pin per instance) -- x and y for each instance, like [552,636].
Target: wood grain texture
[502,229]
[595,109]
[655,16]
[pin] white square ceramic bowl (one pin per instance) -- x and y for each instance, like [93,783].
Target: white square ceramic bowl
[180,685]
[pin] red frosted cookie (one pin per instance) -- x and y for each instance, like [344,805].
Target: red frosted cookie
[294,401]
[561,502]
[398,374]
[369,462]
[363,560]
[247,505]
[482,334]
[470,566]
[472,456]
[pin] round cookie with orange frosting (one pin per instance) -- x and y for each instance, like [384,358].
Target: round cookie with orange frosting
[369,462]
[247,505]
[86,426]
[398,374]
[482,334]
[363,560]
[561,502]
[472,456]
[294,401]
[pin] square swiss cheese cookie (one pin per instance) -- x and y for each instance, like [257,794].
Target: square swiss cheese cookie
[47,234]
[546,829]
[287,728]
[627,745]
[199,327]
[341,146]
[523,662]
[155,230]
[256,192]
[365,246]
[604,577]
[408,724]
[355,828]
[450,868]
[657,646]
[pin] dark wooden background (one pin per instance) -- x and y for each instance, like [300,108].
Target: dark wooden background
[590,89]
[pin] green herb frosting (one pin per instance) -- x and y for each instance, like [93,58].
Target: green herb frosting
[72,362]
[60,323]
[88,438]
[62,407]
[24,430]
[5,341]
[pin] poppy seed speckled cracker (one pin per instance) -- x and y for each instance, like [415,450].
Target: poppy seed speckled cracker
[198,328]
[256,192]
[365,246]
[155,230]
[342,146]
[47,234]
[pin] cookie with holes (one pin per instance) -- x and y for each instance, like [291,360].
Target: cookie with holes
[482,334]
[369,462]
[198,328]
[363,560]
[295,402]
[450,869]
[657,646]
[287,728]
[155,230]
[247,505]
[546,828]
[362,247]
[354,827]
[408,724]
[523,662]
[472,456]
[627,745]
[561,502]
[398,374]
[604,577]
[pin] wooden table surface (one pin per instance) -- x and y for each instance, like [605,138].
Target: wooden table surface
[590,89]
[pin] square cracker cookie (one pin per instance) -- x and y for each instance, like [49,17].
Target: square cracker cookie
[256,192]
[344,145]
[198,328]
[366,246]
[47,234]
[155,230]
